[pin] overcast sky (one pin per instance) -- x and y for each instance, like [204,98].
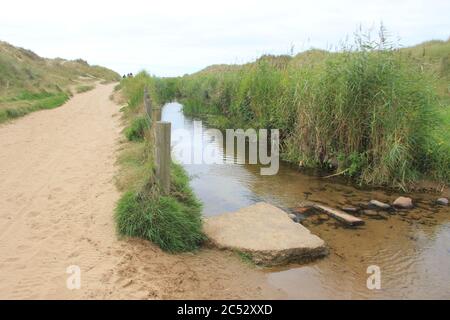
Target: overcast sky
[170,38]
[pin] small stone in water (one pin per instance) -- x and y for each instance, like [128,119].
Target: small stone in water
[383,215]
[379,204]
[350,209]
[403,203]
[293,216]
[442,201]
[371,213]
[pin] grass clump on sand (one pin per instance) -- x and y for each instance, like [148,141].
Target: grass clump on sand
[372,112]
[172,221]
[84,88]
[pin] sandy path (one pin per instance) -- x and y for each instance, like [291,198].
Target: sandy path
[57,197]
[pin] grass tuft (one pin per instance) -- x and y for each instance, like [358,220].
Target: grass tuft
[136,130]
[84,88]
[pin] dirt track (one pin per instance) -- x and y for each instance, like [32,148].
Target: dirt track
[57,197]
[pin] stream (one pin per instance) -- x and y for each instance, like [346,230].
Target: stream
[412,249]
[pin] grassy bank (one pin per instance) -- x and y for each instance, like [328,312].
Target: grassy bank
[85,88]
[171,221]
[372,112]
[30,102]
[29,82]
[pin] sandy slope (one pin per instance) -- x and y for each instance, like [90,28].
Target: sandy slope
[57,197]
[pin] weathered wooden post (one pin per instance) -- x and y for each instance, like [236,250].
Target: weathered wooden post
[156,115]
[163,160]
[147,103]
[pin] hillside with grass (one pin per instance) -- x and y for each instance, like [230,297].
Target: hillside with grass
[29,82]
[371,111]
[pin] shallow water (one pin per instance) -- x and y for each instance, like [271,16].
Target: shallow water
[412,250]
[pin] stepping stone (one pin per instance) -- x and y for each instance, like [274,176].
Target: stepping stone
[350,209]
[345,218]
[266,234]
[379,204]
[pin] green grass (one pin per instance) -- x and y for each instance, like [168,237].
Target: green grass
[371,112]
[136,130]
[34,103]
[84,88]
[245,257]
[29,83]
[172,221]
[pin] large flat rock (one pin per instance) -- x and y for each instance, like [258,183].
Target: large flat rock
[265,233]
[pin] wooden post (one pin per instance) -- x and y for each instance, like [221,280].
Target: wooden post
[163,160]
[147,103]
[156,115]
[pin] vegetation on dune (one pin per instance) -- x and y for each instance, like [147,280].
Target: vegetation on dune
[19,108]
[136,130]
[372,112]
[85,88]
[172,221]
[29,82]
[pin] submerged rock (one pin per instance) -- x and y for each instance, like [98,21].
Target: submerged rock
[375,214]
[372,214]
[266,234]
[379,205]
[323,217]
[383,216]
[442,201]
[350,209]
[302,210]
[314,219]
[403,203]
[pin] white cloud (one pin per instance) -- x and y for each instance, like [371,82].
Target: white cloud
[176,37]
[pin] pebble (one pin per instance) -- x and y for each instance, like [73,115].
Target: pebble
[403,203]
[415,216]
[379,204]
[323,217]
